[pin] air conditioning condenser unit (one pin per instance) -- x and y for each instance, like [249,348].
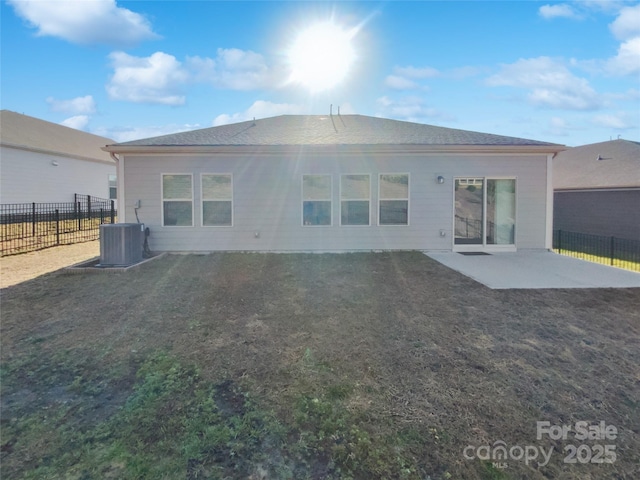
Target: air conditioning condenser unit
[121,244]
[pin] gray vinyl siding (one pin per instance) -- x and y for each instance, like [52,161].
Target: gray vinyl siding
[267,201]
[609,212]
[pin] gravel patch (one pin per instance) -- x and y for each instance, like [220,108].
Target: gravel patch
[16,269]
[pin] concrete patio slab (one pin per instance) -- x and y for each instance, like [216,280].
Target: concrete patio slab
[536,269]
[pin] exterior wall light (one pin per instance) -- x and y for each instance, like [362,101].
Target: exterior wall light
[54,163]
[440,179]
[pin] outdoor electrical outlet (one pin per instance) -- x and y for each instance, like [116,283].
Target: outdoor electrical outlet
[257,234]
[137,205]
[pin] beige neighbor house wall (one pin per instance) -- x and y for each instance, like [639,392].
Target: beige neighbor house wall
[45,162]
[29,176]
[267,198]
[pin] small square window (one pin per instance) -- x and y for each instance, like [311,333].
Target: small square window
[394,199]
[316,200]
[355,196]
[217,200]
[177,200]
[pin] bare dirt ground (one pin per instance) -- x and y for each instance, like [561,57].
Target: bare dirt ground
[419,350]
[15,269]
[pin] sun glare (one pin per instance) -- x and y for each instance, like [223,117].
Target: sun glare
[321,56]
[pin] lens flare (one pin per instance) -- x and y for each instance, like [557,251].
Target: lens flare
[321,56]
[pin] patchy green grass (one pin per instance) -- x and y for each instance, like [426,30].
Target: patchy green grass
[354,366]
[174,422]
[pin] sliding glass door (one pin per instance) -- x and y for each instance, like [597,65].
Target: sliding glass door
[469,213]
[501,212]
[485,212]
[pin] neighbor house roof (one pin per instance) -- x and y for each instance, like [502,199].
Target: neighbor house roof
[329,130]
[612,164]
[29,133]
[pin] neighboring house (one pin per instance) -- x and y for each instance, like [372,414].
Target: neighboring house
[337,183]
[44,162]
[597,189]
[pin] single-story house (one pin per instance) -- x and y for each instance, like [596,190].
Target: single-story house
[44,162]
[597,189]
[337,183]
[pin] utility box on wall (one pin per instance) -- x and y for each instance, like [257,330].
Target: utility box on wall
[121,244]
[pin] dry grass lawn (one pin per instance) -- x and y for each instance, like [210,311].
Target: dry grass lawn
[414,361]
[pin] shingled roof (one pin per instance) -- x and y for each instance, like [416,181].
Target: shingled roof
[330,130]
[612,164]
[30,133]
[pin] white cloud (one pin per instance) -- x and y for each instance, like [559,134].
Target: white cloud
[397,82]
[557,11]
[607,6]
[85,22]
[558,127]
[264,109]
[406,78]
[154,79]
[346,109]
[128,133]
[413,109]
[414,72]
[160,78]
[79,122]
[80,105]
[619,120]
[550,84]
[631,94]
[627,61]
[403,78]
[464,72]
[233,69]
[627,24]
[557,122]
[626,28]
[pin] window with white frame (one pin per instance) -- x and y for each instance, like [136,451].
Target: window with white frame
[316,200]
[217,200]
[177,200]
[394,199]
[113,187]
[355,197]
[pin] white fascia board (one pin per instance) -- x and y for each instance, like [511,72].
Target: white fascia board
[267,150]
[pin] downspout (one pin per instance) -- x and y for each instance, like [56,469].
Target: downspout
[548,241]
[120,203]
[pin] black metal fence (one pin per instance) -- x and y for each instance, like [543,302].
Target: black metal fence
[619,252]
[469,229]
[25,227]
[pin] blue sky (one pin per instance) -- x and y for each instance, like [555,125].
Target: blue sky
[563,72]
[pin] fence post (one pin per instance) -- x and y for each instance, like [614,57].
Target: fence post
[612,251]
[559,241]
[89,207]
[33,219]
[57,227]
[46,223]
